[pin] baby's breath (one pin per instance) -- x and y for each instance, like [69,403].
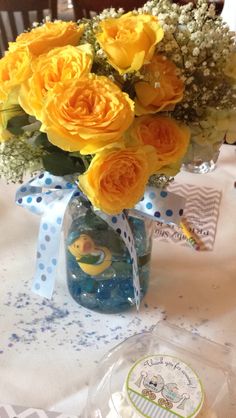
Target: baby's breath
[199,43]
[160,180]
[17,156]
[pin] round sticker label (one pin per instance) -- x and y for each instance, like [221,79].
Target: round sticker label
[162,386]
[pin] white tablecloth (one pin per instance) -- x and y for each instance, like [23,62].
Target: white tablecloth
[48,349]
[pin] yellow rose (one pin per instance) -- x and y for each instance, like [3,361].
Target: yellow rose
[87,114]
[169,138]
[48,36]
[58,65]
[162,89]
[129,41]
[230,68]
[7,112]
[14,70]
[116,179]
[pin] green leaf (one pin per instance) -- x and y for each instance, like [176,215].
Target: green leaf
[41,139]
[86,159]
[16,124]
[75,154]
[60,163]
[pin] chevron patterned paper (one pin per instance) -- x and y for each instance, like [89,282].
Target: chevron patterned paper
[200,214]
[8,411]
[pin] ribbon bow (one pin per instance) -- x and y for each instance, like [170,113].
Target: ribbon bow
[49,196]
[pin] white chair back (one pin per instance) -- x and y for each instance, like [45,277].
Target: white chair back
[229,13]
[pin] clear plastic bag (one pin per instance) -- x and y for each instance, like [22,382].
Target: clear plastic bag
[212,363]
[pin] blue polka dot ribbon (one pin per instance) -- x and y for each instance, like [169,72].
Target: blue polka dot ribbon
[161,205]
[49,196]
[121,225]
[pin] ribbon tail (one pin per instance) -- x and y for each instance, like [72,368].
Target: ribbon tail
[48,246]
[121,225]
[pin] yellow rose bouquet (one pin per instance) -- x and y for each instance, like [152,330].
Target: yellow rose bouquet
[115,103]
[93,94]
[161,76]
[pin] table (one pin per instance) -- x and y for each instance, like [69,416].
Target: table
[49,349]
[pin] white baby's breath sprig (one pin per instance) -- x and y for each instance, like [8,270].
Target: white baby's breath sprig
[18,156]
[197,40]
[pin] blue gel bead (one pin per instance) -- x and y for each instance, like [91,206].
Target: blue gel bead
[89,285]
[103,292]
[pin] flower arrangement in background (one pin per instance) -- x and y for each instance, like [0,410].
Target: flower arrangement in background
[116,99]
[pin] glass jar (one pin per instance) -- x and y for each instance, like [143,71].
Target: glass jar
[99,268]
[201,158]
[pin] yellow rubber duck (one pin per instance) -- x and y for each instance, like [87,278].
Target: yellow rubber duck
[91,259]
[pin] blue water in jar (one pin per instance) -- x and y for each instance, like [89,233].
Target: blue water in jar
[111,290]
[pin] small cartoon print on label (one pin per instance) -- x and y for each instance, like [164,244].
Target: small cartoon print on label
[164,386]
[92,259]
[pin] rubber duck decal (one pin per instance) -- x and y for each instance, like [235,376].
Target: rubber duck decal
[92,259]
